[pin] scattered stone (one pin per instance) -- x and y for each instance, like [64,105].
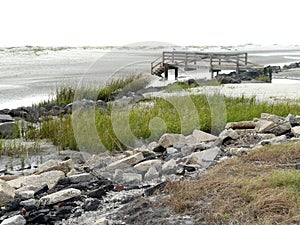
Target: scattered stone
[60,196]
[91,204]
[102,221]
[146,165]
[169,167]
[15,220]
[281,128]
[171,150]
[126,162]
[296,131]
[270,117]
[264,125]
[167,140]
[240,125]
[201,136]
[50,178]
[151,174]
[132,178]
[204,158]
[6,193]
[230,133]
[84,177]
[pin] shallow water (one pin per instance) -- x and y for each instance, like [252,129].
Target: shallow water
[28,77]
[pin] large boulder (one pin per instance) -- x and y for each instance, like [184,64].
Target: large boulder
[263,125]
[6,193]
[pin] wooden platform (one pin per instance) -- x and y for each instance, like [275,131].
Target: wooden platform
[214,61]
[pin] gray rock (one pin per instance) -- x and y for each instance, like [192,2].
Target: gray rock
[171,150]
[240,125]
[203,136]
[132,178]
[26,194]
[7,130]
[5,118]
[118,175]
[228,134]
[277,139]
[65,166]
[204,158]
[270,117]
[264,125]
[29,202]
[151,174]
[50,178]
[168,140]
[187,150]
[169,167]
[102,221]
[59,196]
[83,177]
[125,162]
[15,220]
[6,193]
[296,131]
[281,128]
[146,165]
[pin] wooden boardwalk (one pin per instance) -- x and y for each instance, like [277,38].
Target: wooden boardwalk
[215,61]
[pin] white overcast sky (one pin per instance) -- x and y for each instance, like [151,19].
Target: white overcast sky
[121,22]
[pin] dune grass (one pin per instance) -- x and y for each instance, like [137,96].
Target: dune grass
[262,187]
[177,114]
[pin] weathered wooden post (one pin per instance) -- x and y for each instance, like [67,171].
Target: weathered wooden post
[211,66]
[166,71]
[246,59]
[176,73]
[238,64]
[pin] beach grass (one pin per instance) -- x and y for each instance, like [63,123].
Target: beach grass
[120,127]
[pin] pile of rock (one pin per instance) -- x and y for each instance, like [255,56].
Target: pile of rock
[90,191]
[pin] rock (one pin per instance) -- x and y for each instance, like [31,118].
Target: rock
[270,117]
[65,166]
[296,131]
[203,137]
[132,178]
[83,177]
[237,151]
[41,189]
[146,165]
[152,145]
[15,220]
[25,194]
[277,139]
[100,192]
[240,125]
[190,140]
[281,128]
[7,130]
[60,196]
[187,150]
[265,136]
[6,193]
[167,140]
[171,150]
[91,204]
[151,174]
[50,178]
[126,162]
[159,149]
[169,167]
[264,125]
[118,175]
[6,118]
[230,133]
[76,156]
[28,202]
[204,158]
[102,221]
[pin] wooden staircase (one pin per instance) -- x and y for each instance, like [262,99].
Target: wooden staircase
[157,67]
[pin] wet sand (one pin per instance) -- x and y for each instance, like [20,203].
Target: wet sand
[28,77]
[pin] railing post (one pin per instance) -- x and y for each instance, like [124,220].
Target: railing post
[246,58]
[237,64]
[163,57]
[185,61]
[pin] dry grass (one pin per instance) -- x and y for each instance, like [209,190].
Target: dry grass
[262,187]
